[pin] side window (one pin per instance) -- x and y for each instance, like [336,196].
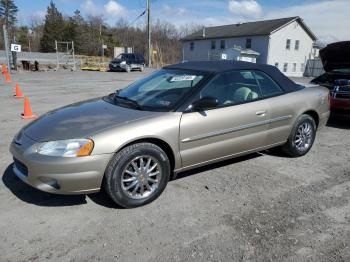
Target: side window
[248,43]
[297,42]
[213,44]
[232,88]
[268,87]
[288,44]
[222,44]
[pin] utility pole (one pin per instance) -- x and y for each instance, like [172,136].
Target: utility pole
[7,48]
[149,33]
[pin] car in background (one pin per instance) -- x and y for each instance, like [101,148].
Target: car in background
[336,62]
[127,62]
[183,116]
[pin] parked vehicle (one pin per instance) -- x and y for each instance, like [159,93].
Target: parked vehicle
[183,116]
[127,62]
[336,62]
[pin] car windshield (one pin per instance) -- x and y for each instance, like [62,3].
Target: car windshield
[160,91]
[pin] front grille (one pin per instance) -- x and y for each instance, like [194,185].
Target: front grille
[342,95]
[21,167]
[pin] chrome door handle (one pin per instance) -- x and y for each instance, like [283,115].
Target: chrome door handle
[261,113]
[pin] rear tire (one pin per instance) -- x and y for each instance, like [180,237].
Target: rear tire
[137,175]
[301,138]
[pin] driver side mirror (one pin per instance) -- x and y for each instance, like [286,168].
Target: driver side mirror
[205,103]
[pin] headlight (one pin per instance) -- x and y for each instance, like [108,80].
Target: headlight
[67,148]
[123,62]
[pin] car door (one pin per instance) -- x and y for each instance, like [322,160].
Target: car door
[281,108]
[237,124]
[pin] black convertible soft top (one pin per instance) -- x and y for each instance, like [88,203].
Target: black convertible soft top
[227,65]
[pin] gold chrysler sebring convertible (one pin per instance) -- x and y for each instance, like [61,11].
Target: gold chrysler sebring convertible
[183,116]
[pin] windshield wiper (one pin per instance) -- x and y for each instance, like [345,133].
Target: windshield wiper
[128,100]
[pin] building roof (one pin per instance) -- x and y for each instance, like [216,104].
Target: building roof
[245,50]
[265,27]
[226,65]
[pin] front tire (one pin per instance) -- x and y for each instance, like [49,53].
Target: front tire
[301,138]
[137,175]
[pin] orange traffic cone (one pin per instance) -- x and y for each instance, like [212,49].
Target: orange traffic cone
[4,69]
[19,93]
[27,114]
[8,78]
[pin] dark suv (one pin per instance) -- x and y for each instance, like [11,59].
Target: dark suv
[127,62]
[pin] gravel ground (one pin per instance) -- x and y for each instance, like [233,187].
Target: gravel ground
[262,207]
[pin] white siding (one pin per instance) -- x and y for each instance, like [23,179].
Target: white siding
[202,47]
[279,54]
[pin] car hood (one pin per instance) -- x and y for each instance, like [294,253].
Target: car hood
[81,120]
[336,56]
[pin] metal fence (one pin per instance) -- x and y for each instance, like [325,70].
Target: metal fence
[314,68]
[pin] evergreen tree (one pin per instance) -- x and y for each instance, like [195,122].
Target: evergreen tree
[54,28]
[8,13]
[23,36]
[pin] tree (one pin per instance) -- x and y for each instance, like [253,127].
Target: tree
[8,13]
[54,28]
[23,34]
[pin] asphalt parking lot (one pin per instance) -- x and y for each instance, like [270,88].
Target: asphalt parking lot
[262,207]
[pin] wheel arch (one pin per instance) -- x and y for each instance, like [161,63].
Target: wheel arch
[314,115]
[158,142]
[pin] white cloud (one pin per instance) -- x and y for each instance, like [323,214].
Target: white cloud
[115,9]
[174,11]
[329,19]
[112,9]
[40,14]
[245,8]
[91,8]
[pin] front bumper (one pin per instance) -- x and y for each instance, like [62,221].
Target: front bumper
[60,175]
[117,67]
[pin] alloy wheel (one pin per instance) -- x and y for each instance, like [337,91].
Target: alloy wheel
[304,136]
[141,177]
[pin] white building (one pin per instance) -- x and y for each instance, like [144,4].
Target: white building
[286,43]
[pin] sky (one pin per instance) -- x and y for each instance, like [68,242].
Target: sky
[328,19]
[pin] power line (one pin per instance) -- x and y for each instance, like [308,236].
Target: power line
[137,18]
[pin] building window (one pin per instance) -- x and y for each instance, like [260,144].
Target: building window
[248,43]
[288,44]
[294,67]
[191,46]
[222,44]
[285,67]
[276,65]
[296,44]
[213,44]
